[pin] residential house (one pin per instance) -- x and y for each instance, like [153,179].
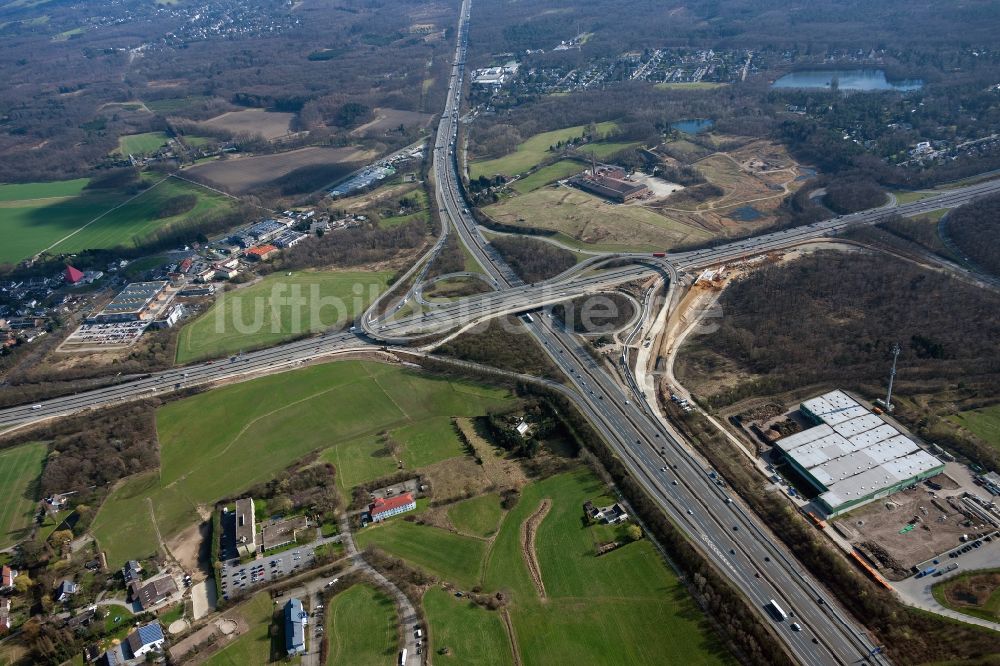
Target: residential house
[612,515]
[295,627]
[7,576]
[383,508]
[65,590]
[145,639]
[4,615]
[132,571]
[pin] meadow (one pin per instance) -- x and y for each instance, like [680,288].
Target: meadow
[547,174]
[141,144]
[20,468]
[479,516]
[266,312]
[587,220]
[219,443]
[361,628]
[975,593]
[37,216]
[984,423]
[532,151]
[624,607]
[474,636]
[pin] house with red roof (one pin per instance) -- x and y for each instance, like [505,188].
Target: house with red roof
[73,275]
[261,252]
[383,508]
[7,576]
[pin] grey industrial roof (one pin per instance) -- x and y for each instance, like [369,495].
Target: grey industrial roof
[853,453]
[134,297]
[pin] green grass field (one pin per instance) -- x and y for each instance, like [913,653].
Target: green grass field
[254,647]
[35,216]
[984,423]
[605,149]
[450,556]
[547,174]
[219,443]
[479,516]
[474,636]
[361,628]
[141,144]
[20,469]
[278,307]
[625,607]
[424,442]
[532,151]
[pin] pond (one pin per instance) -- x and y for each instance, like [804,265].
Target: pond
[692,125]
[745,214]
[863,80]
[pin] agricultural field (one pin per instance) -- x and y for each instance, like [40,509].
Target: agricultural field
[566,604]
[976,593]
[64,217]
[256,647]
[984,423]
[389,120]
[276,308]
[547,174]
[586,220]
[141,144]
[605,149]
[20,468]
[172,105]
[268,124]
[241,174]
[531,152]
[216,444]
[361,628]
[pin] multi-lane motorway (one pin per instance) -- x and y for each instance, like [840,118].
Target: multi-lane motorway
[741,548]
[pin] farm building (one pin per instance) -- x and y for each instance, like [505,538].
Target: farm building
[852,456]
[156,591]
[138,301]
[381,508]
[246,528]
[295,627]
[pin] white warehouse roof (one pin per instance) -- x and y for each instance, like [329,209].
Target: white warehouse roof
[853,453]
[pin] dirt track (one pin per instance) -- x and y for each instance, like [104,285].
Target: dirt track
[529,528]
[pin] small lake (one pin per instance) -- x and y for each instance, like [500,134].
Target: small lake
[863,80]
[692,125]
[746,214]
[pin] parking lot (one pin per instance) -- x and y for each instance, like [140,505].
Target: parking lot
[238,577]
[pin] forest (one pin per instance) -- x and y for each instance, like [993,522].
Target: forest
[830,319]
[532,259]
[975,229]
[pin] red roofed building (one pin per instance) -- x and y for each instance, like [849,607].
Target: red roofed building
[73,275]
[7,578]
[261,252]
[381,509]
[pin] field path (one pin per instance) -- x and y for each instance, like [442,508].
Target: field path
[514,650]
[529,530]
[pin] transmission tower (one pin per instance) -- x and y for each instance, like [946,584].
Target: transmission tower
[892,375]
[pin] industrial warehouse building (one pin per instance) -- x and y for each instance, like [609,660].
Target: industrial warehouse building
[610,183]
[138,301]
[853,456]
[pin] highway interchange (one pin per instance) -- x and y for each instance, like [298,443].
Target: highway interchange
[740,547]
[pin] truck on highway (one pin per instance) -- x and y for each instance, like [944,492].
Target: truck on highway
[659,255]
[777,610]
